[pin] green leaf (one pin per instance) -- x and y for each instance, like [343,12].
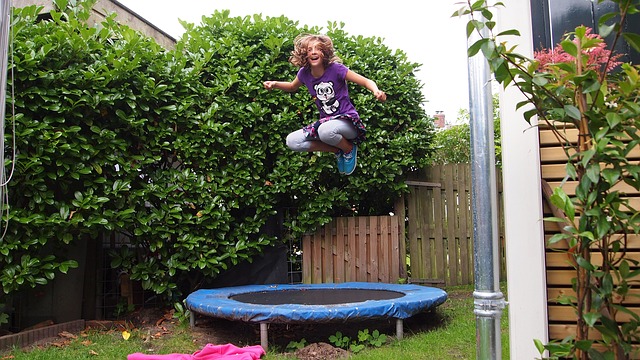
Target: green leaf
[557,238]
[591,318]
[593,172]
[611,175]
[613,119]
[475,47]
[539,345]
[64,211]
[569,47]
[509,32]
[583,263]
[560,199]
[573,112]
[605,30]
[632,39]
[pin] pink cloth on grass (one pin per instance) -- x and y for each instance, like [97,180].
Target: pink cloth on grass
[209,352]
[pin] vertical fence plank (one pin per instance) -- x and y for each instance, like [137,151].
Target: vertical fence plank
[470,227]
[353,246]
[328,254]
[464,214]
[438,216]
[427,246]
[396,270]
[307,260]
[372,242]
[425,196]
[401,215]
[362,249]
[340,251]
[412,232]
[451,219]
[384,249]
[316,258]
[423,212]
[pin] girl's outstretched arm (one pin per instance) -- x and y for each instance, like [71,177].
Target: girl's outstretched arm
[288,86]
[367,83]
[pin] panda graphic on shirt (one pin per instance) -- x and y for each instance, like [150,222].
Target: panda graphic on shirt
[327,96]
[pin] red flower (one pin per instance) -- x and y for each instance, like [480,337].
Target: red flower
[597,55]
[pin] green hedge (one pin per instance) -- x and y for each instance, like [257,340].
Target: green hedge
[183,151]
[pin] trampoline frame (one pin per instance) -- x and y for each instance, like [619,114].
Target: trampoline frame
[218,303]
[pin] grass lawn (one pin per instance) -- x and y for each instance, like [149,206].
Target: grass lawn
[447,333]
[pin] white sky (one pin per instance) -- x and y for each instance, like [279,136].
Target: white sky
[426,33]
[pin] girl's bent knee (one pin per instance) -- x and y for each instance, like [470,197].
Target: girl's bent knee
[295,142]
[329,135]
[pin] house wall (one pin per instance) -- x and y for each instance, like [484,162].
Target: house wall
[534,272]
[124,15]
[522,206]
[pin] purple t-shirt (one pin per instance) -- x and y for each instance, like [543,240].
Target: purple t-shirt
[330,90]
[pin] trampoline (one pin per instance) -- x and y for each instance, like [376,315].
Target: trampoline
[314,303]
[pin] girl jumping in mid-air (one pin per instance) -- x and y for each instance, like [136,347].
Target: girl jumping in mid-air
[339,128]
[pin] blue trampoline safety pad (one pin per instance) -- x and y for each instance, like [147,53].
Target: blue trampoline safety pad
[410,300]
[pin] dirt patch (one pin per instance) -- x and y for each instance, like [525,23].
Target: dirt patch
[321,351]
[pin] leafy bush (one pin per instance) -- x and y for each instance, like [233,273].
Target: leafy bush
[453,145]
[183,151]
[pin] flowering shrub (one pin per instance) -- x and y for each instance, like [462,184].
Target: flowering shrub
[597,57]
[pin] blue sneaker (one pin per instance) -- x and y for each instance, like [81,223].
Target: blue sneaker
[340,158]
[350,160]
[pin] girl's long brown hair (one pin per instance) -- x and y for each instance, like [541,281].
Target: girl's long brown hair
[301,44]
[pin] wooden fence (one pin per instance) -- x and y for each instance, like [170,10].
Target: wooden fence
[437,237]
[353,249]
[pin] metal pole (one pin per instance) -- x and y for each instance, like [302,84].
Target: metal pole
[399,328]
[488,300]
[264,335]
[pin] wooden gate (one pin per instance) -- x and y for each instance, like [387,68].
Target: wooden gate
[353,249]
[440,228]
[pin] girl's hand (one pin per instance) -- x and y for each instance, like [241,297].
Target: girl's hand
[380,95]
[269,85]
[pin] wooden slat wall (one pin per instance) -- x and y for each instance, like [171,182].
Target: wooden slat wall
[353,249]
[562,319]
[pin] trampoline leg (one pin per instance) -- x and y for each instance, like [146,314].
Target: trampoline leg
[192,319]
[399,329]
[264,339]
